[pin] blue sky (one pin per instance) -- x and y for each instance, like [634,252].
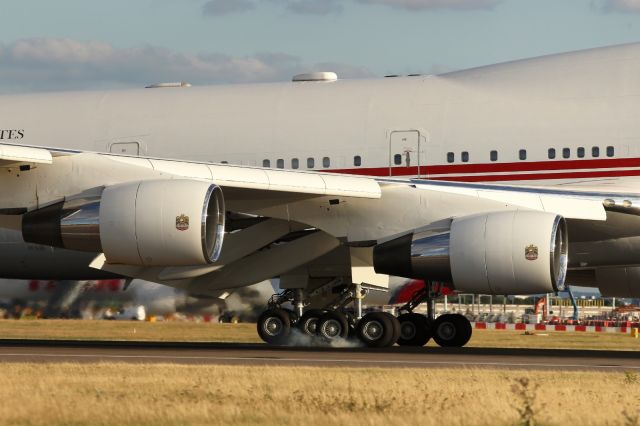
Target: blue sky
[84,44]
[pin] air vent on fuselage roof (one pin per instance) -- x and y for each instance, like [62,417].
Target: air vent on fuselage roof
[315,76]
[168,85]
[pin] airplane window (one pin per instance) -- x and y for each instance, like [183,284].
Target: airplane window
[397,159]
[566,152]
[326,162]
[357,161]
[581,152]
[280,163]
[465,156]
[311,163]
[295,163]
[493,155]
[552,153]
[450,157]
[610,151]
[523,154]
[266,163]
[595,151]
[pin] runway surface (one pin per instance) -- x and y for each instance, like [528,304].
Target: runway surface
[258,354]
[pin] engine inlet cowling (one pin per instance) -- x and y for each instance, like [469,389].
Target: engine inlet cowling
[514,252]
[151,223]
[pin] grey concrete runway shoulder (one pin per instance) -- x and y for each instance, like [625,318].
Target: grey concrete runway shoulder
[260,354]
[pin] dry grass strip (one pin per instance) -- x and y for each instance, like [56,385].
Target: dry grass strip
[163,394]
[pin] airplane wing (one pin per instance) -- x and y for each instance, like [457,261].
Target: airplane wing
[162,221]
[12,155]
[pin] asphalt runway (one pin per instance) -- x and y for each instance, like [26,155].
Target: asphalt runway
[44,351]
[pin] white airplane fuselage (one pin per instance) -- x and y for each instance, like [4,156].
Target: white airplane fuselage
[492,124]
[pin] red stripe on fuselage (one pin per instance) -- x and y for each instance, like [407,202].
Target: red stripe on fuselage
[540,176]
[561,169]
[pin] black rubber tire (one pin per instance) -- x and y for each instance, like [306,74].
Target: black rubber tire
[396,328]
[309,320]
[414,330]
[274,326]
[293,317]
[376,330]
[332,325]
[451,330]
[466,329]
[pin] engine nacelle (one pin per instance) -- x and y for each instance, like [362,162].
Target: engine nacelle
[512,252]
[151,223]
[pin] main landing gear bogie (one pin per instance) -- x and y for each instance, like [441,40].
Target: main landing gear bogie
[276,325]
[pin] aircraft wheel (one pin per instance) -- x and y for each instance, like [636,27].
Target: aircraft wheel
[376,330]
[451,330]
[332,325]
[414,330]
[308,322]
[274,326]
[396,328]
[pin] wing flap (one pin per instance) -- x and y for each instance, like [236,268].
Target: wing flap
[568,203]
[14,154]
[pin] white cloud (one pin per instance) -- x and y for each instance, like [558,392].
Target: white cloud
[625,6]
[63,64]
[435,4]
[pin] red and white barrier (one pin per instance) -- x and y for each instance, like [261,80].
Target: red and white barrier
[549,327]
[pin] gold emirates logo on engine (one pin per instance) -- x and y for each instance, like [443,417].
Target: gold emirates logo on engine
[182,222]
[531,252]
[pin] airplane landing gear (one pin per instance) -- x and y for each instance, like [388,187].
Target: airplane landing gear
[448,330]
[274,326]
[332,325]
[308,322]
[452,330]
[375,329]
[414,329]
[378,329]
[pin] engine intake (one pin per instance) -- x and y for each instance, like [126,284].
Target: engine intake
[513,252]
[151,223]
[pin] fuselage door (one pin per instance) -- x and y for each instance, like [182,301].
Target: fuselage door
[125,148]
[404,153]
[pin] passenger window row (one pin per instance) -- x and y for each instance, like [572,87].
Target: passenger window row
[522,154]
[464,156]
[311,162]
[581,152]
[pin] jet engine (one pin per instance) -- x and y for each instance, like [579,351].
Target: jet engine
[149,223]
[512,252]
